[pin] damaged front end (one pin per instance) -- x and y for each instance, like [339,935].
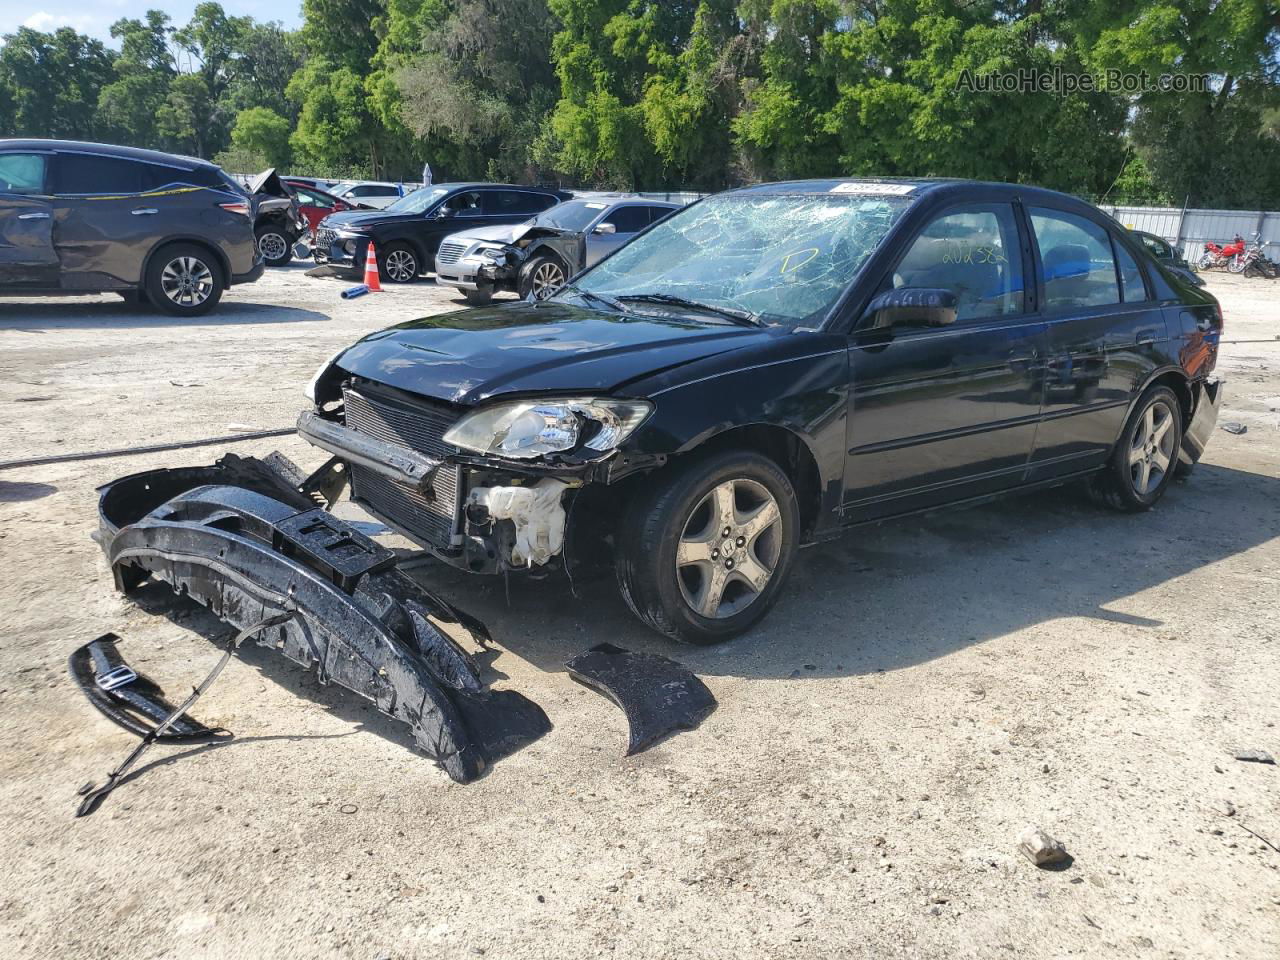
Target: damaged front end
[247,540]
[486,490]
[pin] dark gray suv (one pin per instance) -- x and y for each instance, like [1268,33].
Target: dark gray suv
[90,218]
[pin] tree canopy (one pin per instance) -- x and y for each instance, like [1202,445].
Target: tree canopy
[697,94]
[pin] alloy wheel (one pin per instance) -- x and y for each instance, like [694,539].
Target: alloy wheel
[729,548]
[187,281]
[273,246]
[400,266]
[1151,453]
[547,279]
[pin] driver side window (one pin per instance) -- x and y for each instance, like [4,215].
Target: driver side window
[973,252]
[465,204]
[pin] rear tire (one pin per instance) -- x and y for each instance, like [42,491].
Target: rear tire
[678,570]
[184,280]
[1145,459]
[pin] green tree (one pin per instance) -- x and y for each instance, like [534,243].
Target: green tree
[478,92]
[261,132]
[50,83]
[128,106]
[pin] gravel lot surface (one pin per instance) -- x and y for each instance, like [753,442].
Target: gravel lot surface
[924,691]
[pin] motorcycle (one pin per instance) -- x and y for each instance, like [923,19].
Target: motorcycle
[1216,257]
[1253,263]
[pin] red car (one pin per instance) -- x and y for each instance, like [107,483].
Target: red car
[315,204]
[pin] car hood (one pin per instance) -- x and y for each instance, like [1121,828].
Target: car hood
[356,219]
[472,355]
[499,233]
[269,183]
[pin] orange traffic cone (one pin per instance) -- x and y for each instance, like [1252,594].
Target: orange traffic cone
[371,271]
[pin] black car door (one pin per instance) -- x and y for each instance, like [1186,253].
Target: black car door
[27,254]
[1103,336]
[939,414]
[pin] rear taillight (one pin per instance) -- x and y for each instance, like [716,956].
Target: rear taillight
[239,207]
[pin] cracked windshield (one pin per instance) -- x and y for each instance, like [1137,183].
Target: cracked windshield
[780,259]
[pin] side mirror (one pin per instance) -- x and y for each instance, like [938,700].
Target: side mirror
[605,228]
[913,307]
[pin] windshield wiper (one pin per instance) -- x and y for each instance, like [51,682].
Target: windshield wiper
[742,318]
[590,297]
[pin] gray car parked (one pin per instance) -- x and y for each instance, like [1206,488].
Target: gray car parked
[91,218]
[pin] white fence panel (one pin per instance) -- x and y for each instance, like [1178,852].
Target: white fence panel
[1191,229]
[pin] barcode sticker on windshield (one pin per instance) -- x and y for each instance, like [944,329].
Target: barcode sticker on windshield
[877,189]
[597,206]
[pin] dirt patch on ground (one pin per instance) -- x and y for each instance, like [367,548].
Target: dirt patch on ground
[923,692]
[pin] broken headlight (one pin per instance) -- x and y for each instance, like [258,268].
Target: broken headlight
[532,428]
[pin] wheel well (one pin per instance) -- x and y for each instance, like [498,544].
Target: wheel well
[789,452]
[1181,387]
[219,258]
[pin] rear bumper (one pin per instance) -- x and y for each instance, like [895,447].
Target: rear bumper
[253,274]
[1208,403]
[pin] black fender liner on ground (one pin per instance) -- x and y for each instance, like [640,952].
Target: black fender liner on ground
[248,553]
[658,696]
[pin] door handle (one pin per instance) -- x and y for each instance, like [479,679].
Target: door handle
[33,216]
[1023,356]
[1145,338]
[144,211]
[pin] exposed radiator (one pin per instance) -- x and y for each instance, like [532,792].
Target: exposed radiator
[420,427]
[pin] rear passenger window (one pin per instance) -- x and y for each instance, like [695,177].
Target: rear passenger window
[658,213]
[83,173]
[973,252]
[1075,254]
[512,203]
[21,173]
[1132,286]
[628,219]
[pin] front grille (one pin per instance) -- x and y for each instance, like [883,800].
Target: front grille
[421,427]
[450,252]
[326,236]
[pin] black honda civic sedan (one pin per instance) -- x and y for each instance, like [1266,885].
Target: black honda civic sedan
[769,367]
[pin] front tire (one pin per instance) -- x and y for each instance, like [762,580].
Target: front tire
[679,570]
[274,246]
[541,277]
[478,297]
[1145,457]
[398,263]
[184,280]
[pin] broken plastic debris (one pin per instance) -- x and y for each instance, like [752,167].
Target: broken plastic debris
[657,695]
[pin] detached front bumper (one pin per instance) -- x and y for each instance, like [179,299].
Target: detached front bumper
[240,538]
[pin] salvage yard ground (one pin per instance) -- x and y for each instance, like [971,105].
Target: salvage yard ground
[922,692]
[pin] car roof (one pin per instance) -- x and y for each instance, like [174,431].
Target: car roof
[106,149]
[917,187]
